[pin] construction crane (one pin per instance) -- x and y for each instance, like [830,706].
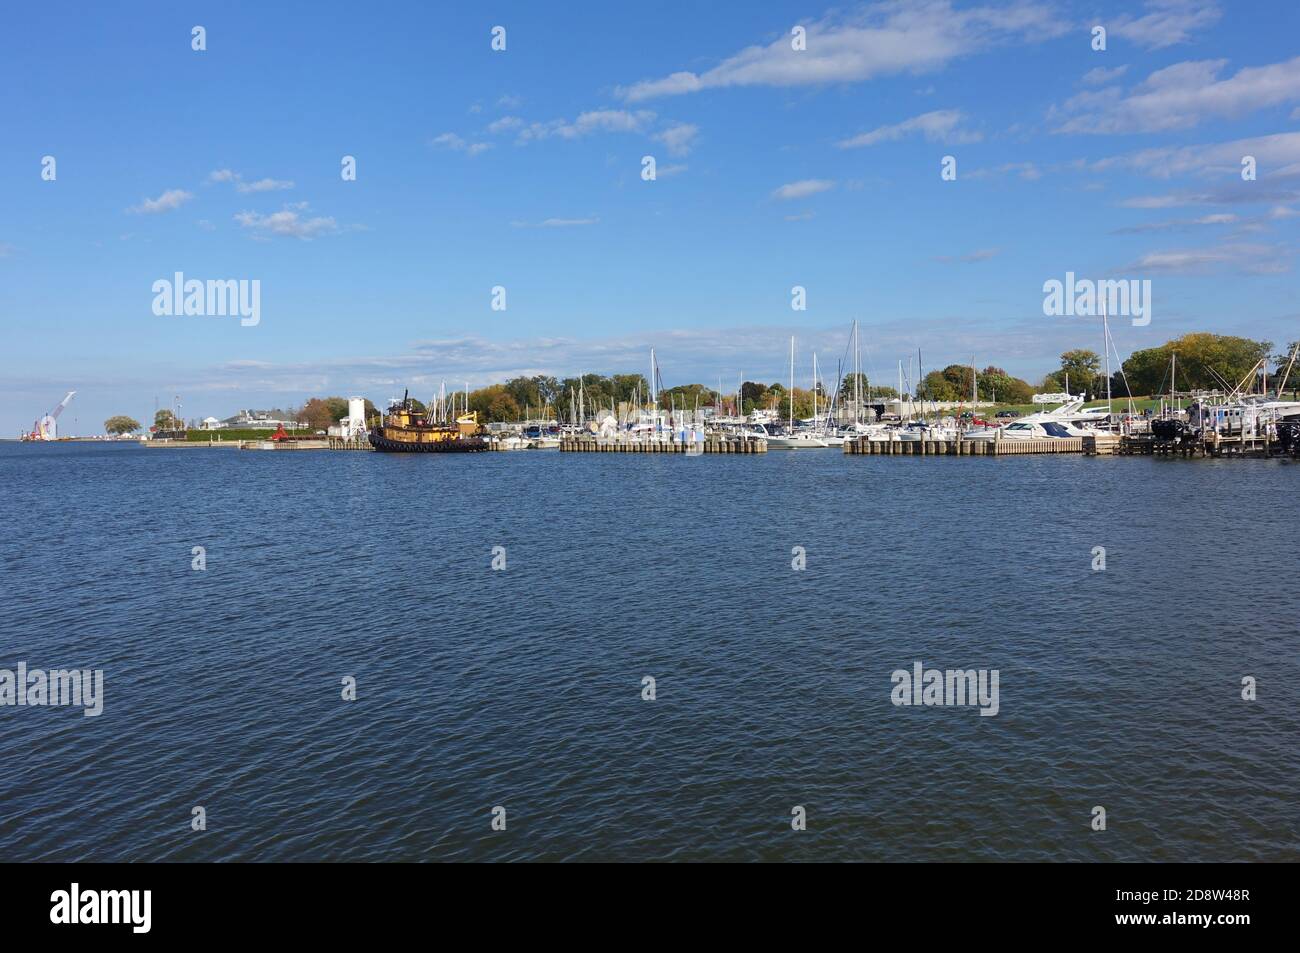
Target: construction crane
[47,428]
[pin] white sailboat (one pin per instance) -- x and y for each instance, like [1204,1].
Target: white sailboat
[795,440]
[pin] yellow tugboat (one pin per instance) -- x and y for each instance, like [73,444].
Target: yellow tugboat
[407,430]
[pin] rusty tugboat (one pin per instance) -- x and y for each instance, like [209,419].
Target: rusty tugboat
[407,430]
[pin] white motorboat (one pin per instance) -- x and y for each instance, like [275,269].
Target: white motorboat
[1068,420]
[801,440]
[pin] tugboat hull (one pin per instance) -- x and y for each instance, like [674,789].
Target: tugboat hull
[461,445]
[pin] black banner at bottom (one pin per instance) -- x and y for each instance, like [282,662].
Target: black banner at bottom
[127,902]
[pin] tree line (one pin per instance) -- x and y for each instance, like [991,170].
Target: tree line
[1204,362]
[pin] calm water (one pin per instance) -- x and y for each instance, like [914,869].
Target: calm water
[522,687]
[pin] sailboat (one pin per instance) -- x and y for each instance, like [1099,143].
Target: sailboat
[792,439]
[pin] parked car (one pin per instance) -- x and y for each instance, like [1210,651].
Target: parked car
[1006,414]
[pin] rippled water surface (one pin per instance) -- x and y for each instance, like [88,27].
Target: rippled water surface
[522,687]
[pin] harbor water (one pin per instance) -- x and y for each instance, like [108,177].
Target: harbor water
[522,687]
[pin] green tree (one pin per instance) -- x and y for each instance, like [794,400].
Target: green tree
[625,387]
[338,408]
[686,395]
[996,384]
[1205,362]
[937,386]
[959,376]
[846,386]
[504,407]
[120,424]
[165,420]
[1081,368]
[1280,362]
[753,395]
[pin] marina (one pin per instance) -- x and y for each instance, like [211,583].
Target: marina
[981,315]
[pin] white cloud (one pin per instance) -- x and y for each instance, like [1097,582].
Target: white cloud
[449,140]
[1180,224]
[1179,97]
[1026,170]
[803,188]
[558,223]
[679,137]
[882,39]
[261,185]
[287,223]
[509,101]
[1253,259]
[264,185]
[1276,155]
[596,120]
[1100,75]
[1169,22]
[980,254]
[169,200]
[937,126]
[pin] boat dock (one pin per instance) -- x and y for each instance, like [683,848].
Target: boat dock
[710,444]
[1100,445]
[1213,444]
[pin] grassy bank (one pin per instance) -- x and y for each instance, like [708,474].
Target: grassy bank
[1120,404]
[230,436]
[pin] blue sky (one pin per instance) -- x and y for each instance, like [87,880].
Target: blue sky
[521,168]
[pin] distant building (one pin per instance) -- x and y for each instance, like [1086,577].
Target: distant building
[257,420]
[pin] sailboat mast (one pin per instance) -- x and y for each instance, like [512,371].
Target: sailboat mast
[1105,333]
[900,390]
[857,377]
[792,384]
[654,396]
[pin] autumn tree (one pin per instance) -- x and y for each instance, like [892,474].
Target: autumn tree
[315,414]
[120,424]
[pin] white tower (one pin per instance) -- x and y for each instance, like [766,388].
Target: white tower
[356,417]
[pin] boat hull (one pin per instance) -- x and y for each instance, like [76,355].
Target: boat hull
[461,445]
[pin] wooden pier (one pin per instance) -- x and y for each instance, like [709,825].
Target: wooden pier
[708,445]
[352,443]
[1197,445]
[1099,445]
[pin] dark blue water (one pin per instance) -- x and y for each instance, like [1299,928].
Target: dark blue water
[522,688]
